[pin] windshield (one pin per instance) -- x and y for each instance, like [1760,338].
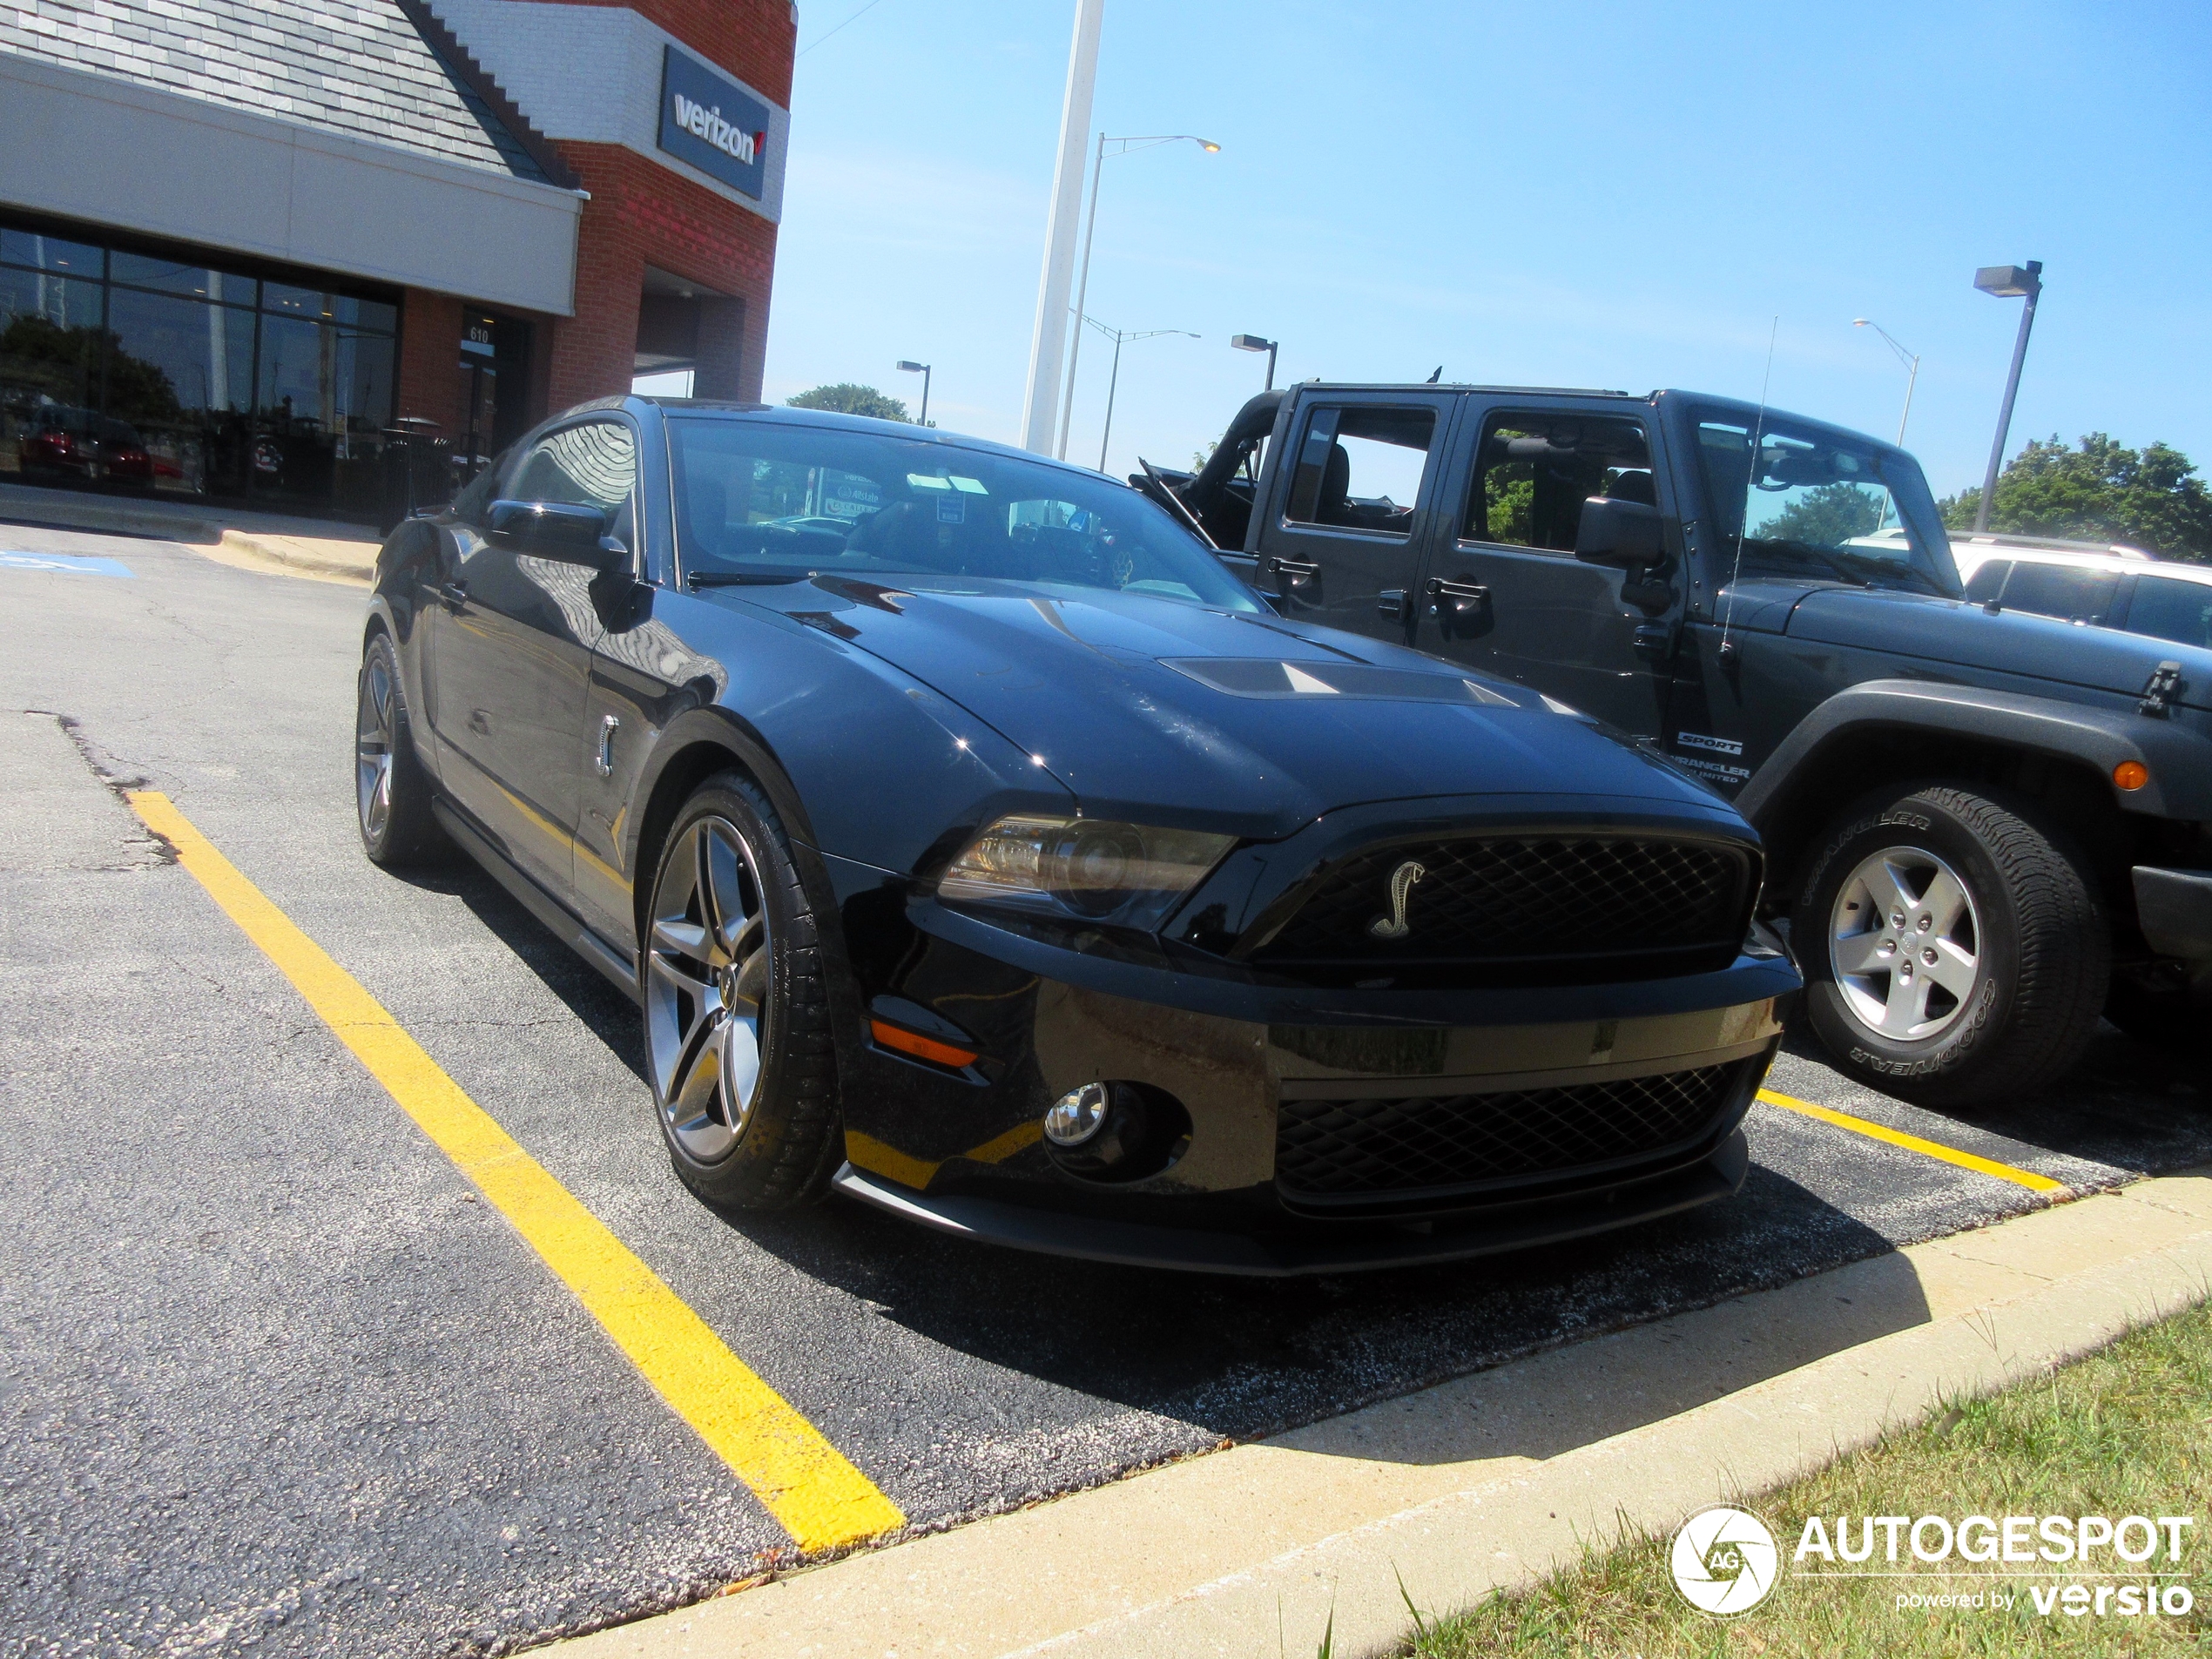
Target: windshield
[1817,503]
[758,501]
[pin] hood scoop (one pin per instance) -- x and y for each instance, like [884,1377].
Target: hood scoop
[1268,677]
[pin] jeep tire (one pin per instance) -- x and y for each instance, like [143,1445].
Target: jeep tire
[1953,949]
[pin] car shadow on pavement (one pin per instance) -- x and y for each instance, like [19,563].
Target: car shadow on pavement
[2127,1104]
[603,1009]
[1242,1358]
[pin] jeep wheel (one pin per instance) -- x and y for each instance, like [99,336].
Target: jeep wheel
[1952,949]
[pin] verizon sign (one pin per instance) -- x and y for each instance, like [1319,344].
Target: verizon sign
[713,124]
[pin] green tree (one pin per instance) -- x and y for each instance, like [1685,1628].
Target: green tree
[2100,491]
[847,398]
[1827,516]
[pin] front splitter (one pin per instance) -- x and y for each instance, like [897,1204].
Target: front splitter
[1340,1248]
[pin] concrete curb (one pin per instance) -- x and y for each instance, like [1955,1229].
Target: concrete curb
[252,541]
[1491,1481]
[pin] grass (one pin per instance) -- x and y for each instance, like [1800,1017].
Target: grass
[2125,1432]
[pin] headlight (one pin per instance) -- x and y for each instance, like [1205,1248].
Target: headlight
[1082,868]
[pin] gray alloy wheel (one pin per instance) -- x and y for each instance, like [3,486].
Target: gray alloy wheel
[1904,942]
[391,791]
[710,972]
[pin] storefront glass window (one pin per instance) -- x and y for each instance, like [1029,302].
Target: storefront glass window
[138,371]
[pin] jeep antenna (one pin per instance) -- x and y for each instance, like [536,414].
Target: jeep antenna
[1758,437]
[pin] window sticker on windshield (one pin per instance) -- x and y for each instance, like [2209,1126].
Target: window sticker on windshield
[970,486]
[952,509]
[923,481]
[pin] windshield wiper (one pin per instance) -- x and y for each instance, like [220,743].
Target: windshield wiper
[1804,552]
[744,579]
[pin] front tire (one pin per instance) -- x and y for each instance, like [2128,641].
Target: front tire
[738,1045]
[1953,949]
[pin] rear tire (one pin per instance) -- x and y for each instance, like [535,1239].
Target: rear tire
[739,1044]
[391,789]
[1953,950]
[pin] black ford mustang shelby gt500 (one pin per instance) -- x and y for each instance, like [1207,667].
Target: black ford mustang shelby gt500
[978,846]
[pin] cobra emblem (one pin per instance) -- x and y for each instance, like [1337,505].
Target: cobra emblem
[1401,888]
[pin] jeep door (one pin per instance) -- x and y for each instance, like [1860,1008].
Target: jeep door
[1350,510]
[1502,590]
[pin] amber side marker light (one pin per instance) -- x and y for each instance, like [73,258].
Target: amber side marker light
[2131,774]
[921,1048]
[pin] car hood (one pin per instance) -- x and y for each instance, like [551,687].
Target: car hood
[1141,706]
[2006,642]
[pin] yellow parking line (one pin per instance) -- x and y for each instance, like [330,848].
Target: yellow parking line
[821,1499]
[2027,1178]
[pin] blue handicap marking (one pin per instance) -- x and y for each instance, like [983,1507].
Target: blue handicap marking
[69,563]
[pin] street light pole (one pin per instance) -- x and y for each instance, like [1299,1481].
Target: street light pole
[1048,339]
[2007,282]
[1911,361]
[1145,141]
[1253,342]
[922,369]
[1120,337]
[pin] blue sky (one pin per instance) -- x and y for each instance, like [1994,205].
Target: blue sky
[1594,195]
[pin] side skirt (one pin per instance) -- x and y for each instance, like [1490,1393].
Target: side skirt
[549,910]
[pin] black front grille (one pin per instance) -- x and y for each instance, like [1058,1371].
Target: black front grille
[1342,1150]
[1524,899]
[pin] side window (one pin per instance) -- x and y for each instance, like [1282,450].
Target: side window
[1988,581]
[2067,591]
[1533,472]
[2165,608]
[1360,467]
[592,464]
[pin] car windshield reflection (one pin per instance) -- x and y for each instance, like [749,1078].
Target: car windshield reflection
[758,501]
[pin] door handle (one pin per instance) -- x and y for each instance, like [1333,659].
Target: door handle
[454,593]
[1464,596]
[605,760]
[1652,640]
[1298,570]
[1394,604]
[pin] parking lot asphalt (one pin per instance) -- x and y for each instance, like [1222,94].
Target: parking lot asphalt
[276,1377]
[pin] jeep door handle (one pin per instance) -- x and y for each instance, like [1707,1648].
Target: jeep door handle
[1464,596]
[1652,640]
[1298,569]
[455,594]
[1394,604]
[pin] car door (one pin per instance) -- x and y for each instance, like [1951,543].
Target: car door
[1502,590]
[512,644]
[1351,507]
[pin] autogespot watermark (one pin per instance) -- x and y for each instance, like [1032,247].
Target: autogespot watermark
[1725,1561]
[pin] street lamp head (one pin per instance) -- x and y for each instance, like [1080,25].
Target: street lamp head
[1251,342]
[2011,281]
[1210,146]
[1862,322]
[914,368]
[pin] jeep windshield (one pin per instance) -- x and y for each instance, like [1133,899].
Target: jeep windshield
[781,501]
[1814,501]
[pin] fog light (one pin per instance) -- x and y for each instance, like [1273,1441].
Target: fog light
[1077,1116]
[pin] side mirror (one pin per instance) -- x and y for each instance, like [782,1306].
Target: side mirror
[1623,532]
[566,531]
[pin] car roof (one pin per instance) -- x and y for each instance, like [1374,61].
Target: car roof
[784,414]
[2118,563]
[1751,413]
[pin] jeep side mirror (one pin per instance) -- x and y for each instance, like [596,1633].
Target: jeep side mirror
[567,531]
[1622,533]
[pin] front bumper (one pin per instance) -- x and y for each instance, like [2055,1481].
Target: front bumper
[1285,1253]
[2173,909]
[1254,1066]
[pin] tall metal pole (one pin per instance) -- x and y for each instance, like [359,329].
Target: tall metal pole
[1112,381]
[2034,269]
[1048,339]
[1911,381]
[1082,292]
[924,395]
[1271,345]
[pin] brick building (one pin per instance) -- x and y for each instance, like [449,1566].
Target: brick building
[257,239]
